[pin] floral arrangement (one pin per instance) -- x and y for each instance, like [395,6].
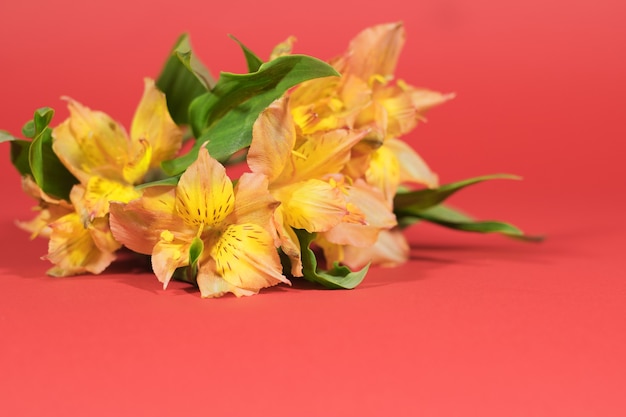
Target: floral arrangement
[327,185]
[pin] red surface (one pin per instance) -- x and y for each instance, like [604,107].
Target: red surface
[471,326]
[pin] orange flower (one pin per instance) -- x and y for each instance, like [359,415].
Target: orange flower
[203,220]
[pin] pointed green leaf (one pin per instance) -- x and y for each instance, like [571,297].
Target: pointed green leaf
[6,136]
[224,116]
[19,156]
[48,171]
[42,118]
[339,277]
[182,79]
[195,251]
[253,61]
[449,217]
[414,201]
[46,168]
[165,181]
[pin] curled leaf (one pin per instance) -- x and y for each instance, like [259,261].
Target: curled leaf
[339,277]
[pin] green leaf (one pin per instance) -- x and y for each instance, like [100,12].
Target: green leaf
[29,130]
[253,61]
[165,181]
[48,171]
[195,251]
[415,201]
[223,117]
[42,119]
[6,136]
[19,156]
[46,168]
[339,277]
[454,219]
[182,79]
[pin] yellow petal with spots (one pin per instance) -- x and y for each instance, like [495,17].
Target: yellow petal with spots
[100,191]
[204,194]
[212,285]
[313,205]
[245,257]
[321,154]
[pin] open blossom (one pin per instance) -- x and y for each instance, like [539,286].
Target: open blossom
[108,163]
[304,174]
[367,97]
[230,225]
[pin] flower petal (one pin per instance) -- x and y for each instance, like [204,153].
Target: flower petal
[313,205]
[93,200]
[138,224]
[322,154]
[168,254]
[204,195]
[390,249]
[376,211]
[273,138]
[384,172]
[253,202]
[153,123]
[73,250]
[246,258]
[288,242]
[374,51]
[412,168]
[91,143]
[212,285]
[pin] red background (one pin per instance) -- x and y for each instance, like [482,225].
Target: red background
[471,326]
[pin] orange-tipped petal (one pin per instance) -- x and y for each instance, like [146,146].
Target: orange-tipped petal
[253,202]
[377,214]
[374,51]
[152,122]
[273,138]
[138,224]
[391,249]
[168,254]
[412,167]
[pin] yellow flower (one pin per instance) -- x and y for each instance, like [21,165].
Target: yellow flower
[108,163]
[366,97]
[49,210]
[232,226]
[304,174]
[105,159]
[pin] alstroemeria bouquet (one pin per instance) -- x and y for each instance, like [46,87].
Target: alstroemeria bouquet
[328,187]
